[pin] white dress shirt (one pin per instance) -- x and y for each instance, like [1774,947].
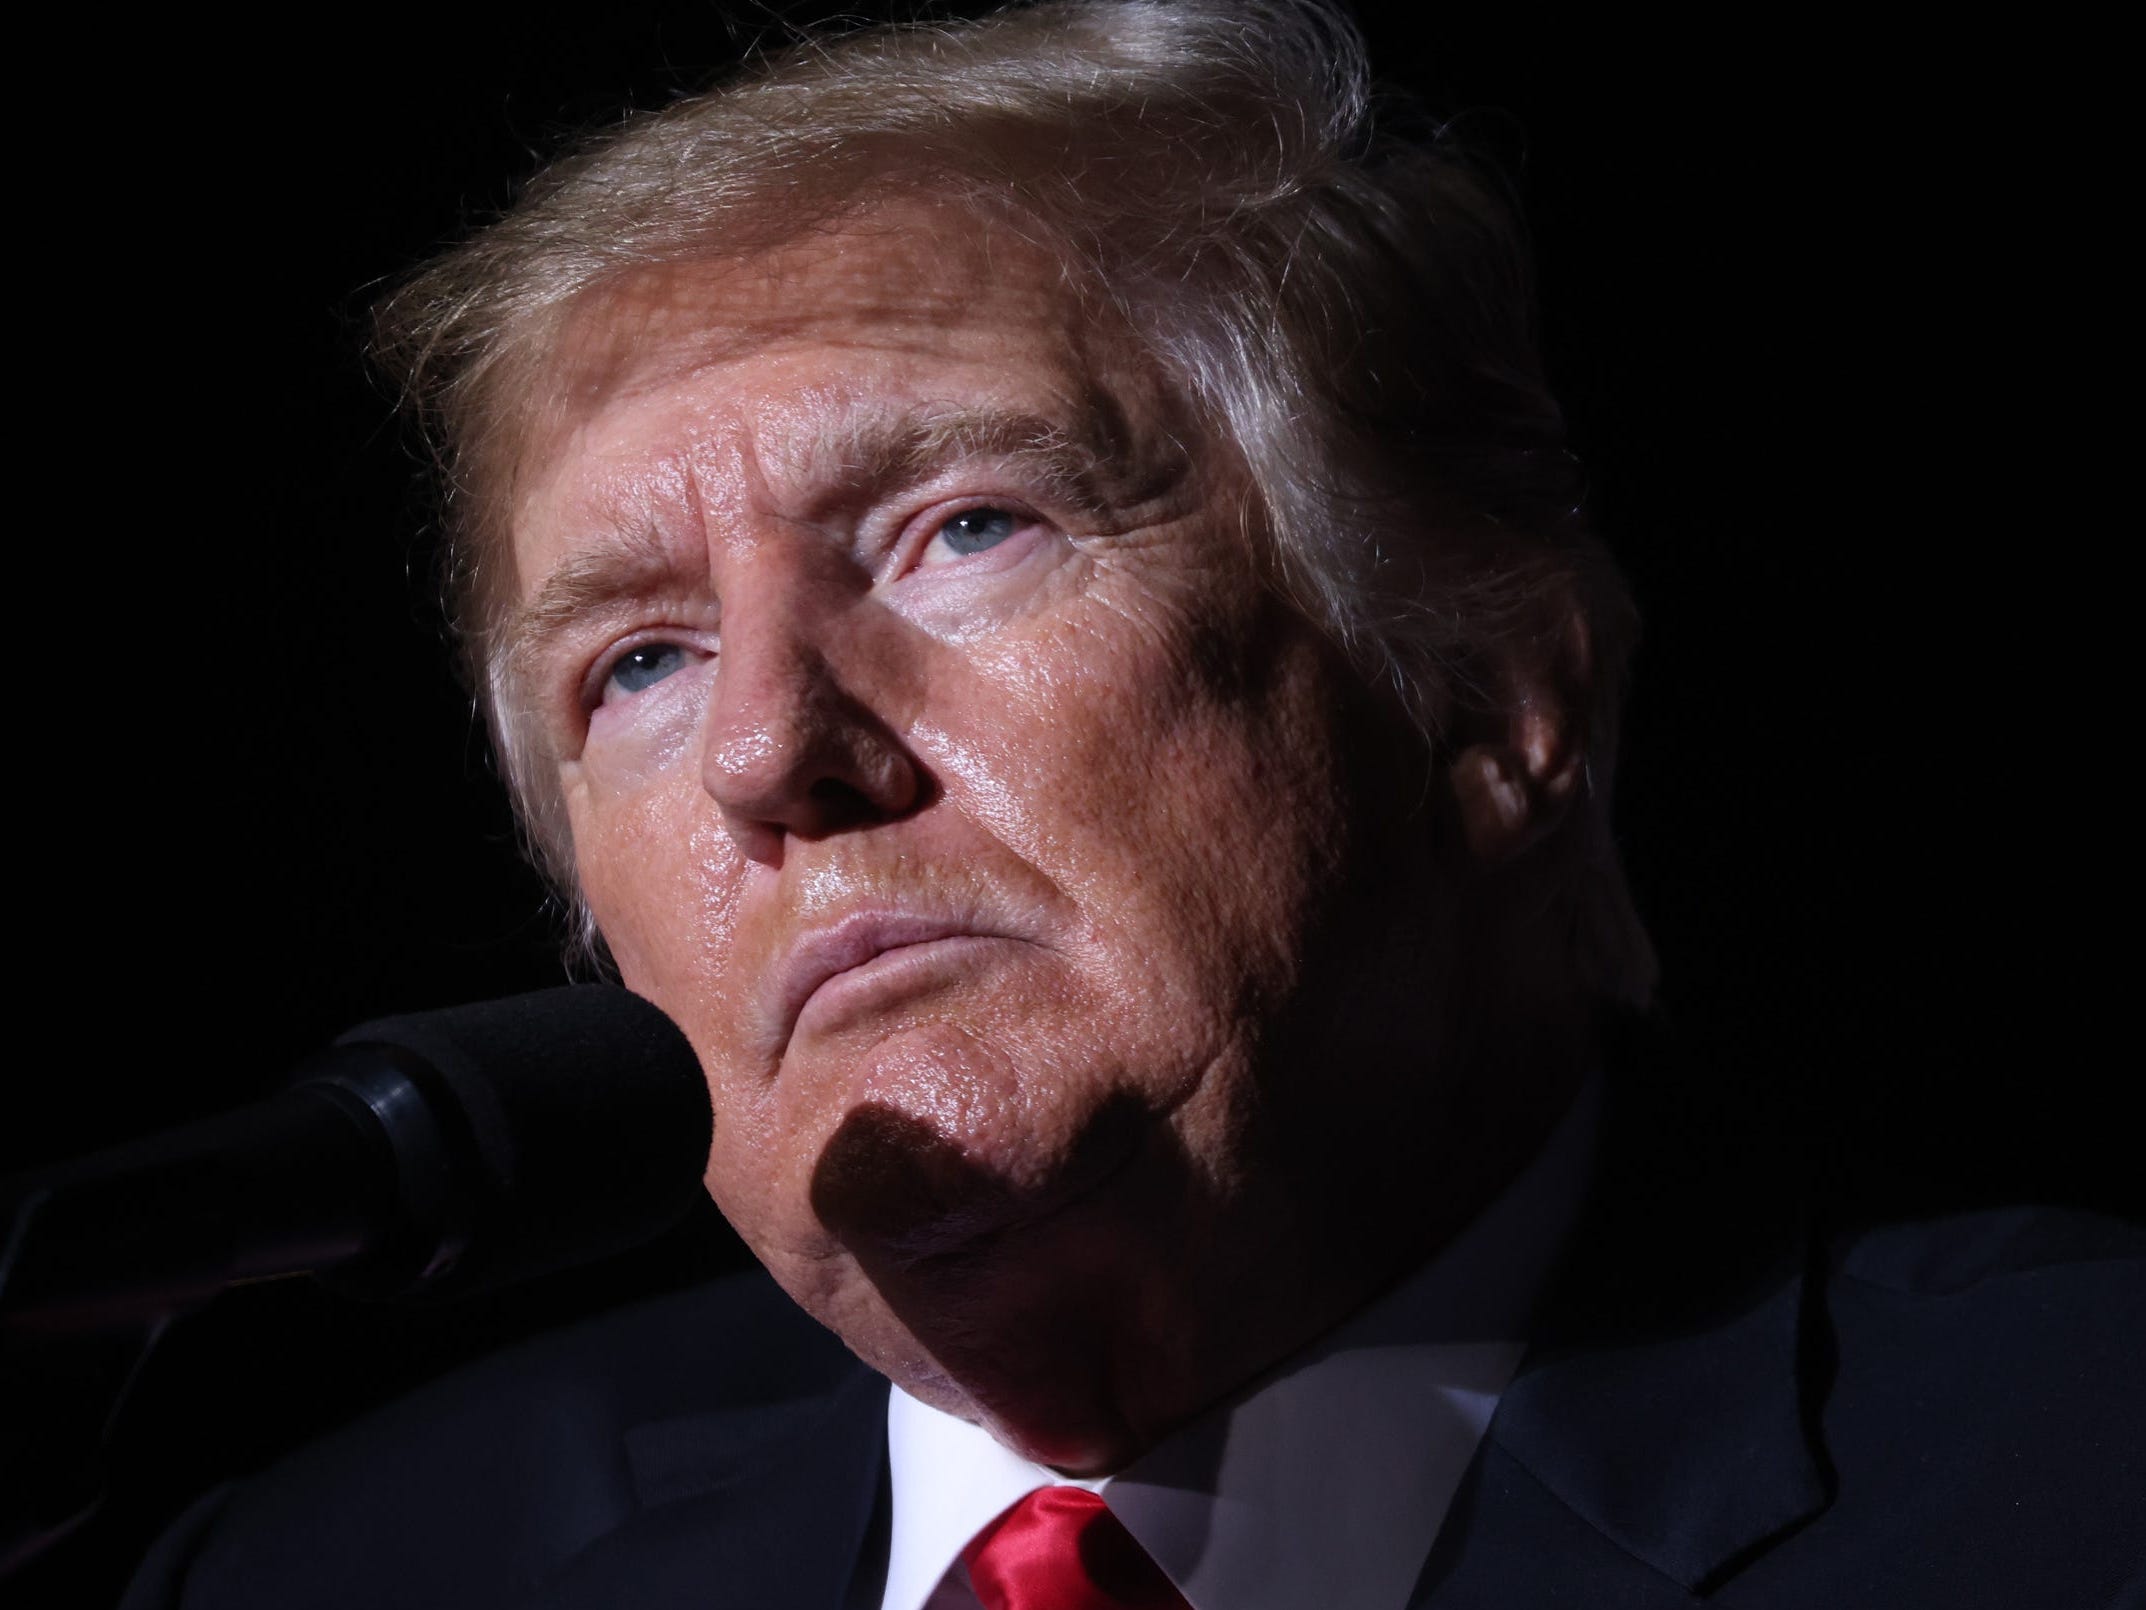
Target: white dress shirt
[1323,1484]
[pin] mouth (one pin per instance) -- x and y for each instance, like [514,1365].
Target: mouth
[839,969]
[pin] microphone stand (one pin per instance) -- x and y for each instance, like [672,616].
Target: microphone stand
[60,1400]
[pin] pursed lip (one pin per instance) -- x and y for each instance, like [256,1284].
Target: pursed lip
[839,947]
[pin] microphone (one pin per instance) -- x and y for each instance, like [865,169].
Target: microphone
[444,1152]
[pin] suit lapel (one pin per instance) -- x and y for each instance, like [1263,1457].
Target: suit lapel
[1690,1451]
[766,1507]
[1671,1399]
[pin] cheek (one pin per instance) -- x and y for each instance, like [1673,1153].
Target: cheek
[1176,773]
[664,891]
[662,881]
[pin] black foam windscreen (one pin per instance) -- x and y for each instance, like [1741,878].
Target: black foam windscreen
[579,1118]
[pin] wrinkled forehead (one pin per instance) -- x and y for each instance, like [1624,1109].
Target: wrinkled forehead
[913,271]
[914,304]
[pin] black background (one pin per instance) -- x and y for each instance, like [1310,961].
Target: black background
[253,807]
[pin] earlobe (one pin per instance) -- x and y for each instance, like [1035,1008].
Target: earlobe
[1508,803]
[1513,788]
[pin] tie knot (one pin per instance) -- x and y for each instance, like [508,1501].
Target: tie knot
[1060,1548]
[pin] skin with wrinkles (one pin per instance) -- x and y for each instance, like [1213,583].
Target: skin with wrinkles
[1051,1167]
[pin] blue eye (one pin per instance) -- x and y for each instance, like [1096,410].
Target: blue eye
[644,667]
[974,530]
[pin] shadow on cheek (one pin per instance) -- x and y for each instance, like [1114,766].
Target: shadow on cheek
[888,1181]
[899,1194]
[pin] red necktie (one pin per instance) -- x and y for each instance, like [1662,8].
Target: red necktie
[1060,1548]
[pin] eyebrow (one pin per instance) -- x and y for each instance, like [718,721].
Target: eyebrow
[865,454]
[630,562]
[872,451]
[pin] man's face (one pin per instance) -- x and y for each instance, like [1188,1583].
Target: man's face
[934,756]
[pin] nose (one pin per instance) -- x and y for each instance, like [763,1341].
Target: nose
[788,750]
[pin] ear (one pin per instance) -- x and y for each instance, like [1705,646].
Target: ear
[1528,762]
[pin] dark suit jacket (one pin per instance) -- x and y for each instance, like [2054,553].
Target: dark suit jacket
[1942,1415]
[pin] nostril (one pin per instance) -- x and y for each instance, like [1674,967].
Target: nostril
[839,804]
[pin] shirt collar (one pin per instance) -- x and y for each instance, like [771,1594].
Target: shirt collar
[1339,1465]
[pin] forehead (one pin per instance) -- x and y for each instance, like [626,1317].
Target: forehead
[761,365]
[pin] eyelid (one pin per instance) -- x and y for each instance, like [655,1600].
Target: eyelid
[604,665]
[922,529]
